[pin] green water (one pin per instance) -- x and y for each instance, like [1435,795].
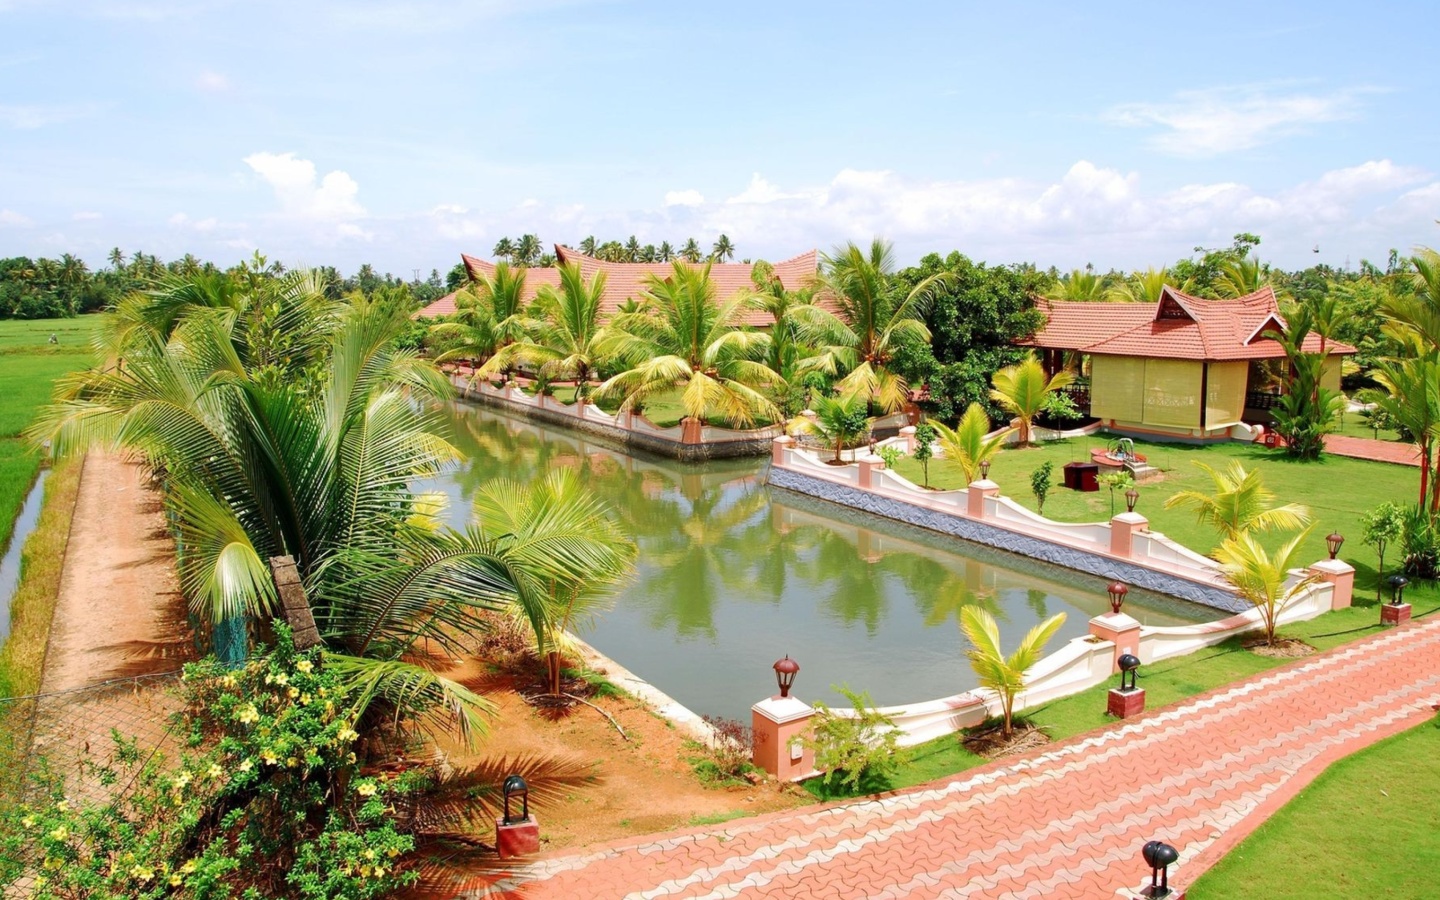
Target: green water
[734,574]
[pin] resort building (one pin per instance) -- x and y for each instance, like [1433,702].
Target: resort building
[624,281]
[1183,367]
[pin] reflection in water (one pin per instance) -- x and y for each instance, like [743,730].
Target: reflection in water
[733,574]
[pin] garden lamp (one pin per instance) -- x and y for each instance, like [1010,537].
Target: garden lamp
[985,470]
[1132,497]
[1333,541]
[515,785]
[1117,591]
[1159,856]
[1129,670]
[1397,588]
[785,670]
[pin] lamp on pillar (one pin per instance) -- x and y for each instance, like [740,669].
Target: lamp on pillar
[785,672]
[1397,611]
[1117,591]
[1132,497]
[984,470]
[1397,589]
[1128,699]
[516,835]
[1333,542]
[1129,670]
[1159,856]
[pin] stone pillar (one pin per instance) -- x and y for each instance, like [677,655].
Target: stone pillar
[690,430]
[518,838]
[1340,576]
[1122,533]
[778,448]
[978,491]
[777,724]
[867,471]
[908,433]
[1120,630]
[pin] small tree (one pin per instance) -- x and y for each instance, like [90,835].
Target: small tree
[924,448]
[858,748]
[968,444]
[840,421]
[892,455]
[1383,525]
[1121,478]
[1238,502]
[1005,675]
[1259,577]
[1023,391]
[1040,484]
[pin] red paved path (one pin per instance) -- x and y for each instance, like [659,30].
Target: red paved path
[1068,823]
[1368,448]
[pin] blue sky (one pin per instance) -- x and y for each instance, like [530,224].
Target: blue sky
[404,133]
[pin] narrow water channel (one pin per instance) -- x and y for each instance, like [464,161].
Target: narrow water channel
[734,574]
[10,563]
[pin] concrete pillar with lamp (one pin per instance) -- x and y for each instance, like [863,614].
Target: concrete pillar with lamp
[1339,574]
[979,491]
[517,833]
[778,724]
[1124,527]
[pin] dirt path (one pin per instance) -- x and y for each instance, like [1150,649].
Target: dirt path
[119,594]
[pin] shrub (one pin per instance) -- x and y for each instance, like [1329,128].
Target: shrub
[729,757]
[859,749]
[924,448]
[892,455]
[1421,544]
[1040,484]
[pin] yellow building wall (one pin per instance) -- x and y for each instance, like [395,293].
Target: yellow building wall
[1161,392]
[1117,388]
[1172,392]
[1330,375]
[1225,393]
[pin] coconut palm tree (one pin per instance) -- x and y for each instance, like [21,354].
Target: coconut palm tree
[1414,317]
[691,342]
[1005,675]
[1238,503]
[967,445]
[1261,578]
[691,250]
[516,518]
[1140,287]
[779,304]
[840,421]
[666,252]
[723,249]
[490,315]
[1080,285]
[868,325]
[567,340]
[1023,390]
[587,246]
[632,249]
[504,249]
[1239,277]
[527,250]
[1409,395]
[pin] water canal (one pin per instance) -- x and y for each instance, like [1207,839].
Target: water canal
[734,574]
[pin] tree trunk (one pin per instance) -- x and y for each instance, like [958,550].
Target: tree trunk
[552,664]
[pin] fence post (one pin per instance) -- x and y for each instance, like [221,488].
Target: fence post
[293,602]
[1341,578]
[777,724]
[778,448]
[1122,533]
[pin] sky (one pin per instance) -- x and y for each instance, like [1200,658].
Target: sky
[404,133]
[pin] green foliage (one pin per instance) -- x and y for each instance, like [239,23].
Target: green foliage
[1040,483]
[1421,542]
[269,800]
[1005,675]
[855,750]
[925,435]
[891,454]
[841,421]
[1238,502]
[1306,411]
[1384,525]
[1260,577]
[1117,480]
[1023,391]
[967,445]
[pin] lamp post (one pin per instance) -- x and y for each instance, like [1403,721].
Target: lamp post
[984,470]
[1117,591]
[1333,541]
[1129,665]
[1132,497]
[1397,589]
[516,834]
[513,786]
[1159,856]
[785,671]
[1397,611]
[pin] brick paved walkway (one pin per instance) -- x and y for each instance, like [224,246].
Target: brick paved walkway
[1368,448]
[1068,823]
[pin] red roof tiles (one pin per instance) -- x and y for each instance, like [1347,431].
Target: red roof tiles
[627,280]
[1179,326]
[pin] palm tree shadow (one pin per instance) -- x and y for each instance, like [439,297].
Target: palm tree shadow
[172,646]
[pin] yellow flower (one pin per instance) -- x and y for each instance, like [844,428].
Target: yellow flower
[216,772]
[229,682]
[379,871]
[143,873]
[292,693]
[249,714]
[350,757]
[305,666]
[175,880]
[364,871]
[347,734]
[304,699]
[53,862]
[369,854]
[63,805]
[182,780]
[246,766]
[282,679]
[292,762]
[28,821]
[392,853]
[324,693]
[268,757]
[61,833]
[366,789]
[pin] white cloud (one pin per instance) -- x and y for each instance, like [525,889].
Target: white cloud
[212,82]
[204,226]
[295,185]
[29,117]
[1221,120]
[12,218]
[86,215]
[684,198]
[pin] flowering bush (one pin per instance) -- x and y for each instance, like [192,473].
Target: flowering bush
[268,800]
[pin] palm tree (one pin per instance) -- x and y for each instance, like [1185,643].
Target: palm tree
[967,446]
[516,519]
[648,253]
[527,250]
[490,315]
[632,250]
[691,342]
[840,421]
[587,246]
[691,250]
[1414,317]
[1005,675]
[780,304]
[568,340]
[666,252]
[116,258]
[1239,277]
[723,249]
[1260,577]
[1023,391]
[1140,287]
[504,249]
[1238,503]
[1410,397]
[1079,286]
[868,325]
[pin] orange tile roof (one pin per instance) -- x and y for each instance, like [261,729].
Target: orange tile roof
[626,280]
[445,306]
[1179,326]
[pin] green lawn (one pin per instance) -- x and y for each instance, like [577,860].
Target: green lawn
[1337,489]
[663,410]
[1365,828]
[29,366]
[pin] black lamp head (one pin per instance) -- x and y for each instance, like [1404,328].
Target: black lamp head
[1159,856]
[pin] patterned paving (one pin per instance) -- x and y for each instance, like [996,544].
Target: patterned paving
[1366,448]
[1068,823]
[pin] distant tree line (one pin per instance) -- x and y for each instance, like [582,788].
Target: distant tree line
[529,250]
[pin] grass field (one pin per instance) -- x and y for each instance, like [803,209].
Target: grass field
[1337,489]
[664,410]
[29,366]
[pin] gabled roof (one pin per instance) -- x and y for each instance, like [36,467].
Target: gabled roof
[1179,326]
[626,280]
[444,306]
